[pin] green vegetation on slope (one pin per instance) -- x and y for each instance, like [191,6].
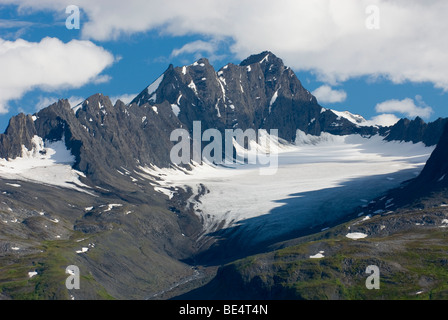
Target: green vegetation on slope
[412,260]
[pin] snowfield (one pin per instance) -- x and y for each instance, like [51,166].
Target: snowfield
[319,180]
[49,163]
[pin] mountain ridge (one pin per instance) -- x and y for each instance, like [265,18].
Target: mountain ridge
[259,93]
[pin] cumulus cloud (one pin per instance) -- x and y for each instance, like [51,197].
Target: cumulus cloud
[49,65]
[384,120]
[328,37]
[126,98]
[407,107]
[44,101]
[75,100]
[199,49]
[325,94]
[195,46]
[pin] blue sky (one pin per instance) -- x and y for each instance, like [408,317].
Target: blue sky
[391,70]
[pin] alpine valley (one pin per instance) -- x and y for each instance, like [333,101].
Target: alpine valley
[93,186]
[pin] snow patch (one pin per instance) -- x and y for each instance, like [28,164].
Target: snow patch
[83,250]
[46,162]
[266,58]
[111,206]
[273,99]
[192,86]
[318,255]
[324,138]
[353,118]
[155,85]
[32,274]
[165,191]
[13,185]
[76,108]
[175,108]
[356,235]
[218,113]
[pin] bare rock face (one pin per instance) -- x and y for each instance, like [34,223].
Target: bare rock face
[435,172]
[416,131]
[19,132]
[260,92]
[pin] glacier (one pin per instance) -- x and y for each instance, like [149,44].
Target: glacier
[320,179]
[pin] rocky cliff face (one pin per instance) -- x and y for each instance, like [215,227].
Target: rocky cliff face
[416,131]
[260,92]
[435,173]
[19,132]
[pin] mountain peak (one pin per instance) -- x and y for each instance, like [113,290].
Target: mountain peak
[201,62]
[265,56]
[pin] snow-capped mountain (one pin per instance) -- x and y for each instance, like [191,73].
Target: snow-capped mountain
[354,118]
[260,92]
[99,177]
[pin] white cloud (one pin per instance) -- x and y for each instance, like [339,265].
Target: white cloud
[44,101]
[329,37]
[199,49]
[126,98]
[75,100]
[49,65]
[384,120]
[195,46]
[325,94]
[406,106]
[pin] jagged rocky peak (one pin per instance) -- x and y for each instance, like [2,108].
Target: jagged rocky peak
[94,104]
[20,132]
[260,92]
[416,130]
[47,124]
[263,57]
[188,81]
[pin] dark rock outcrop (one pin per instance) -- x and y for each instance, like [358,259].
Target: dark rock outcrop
[416,131]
